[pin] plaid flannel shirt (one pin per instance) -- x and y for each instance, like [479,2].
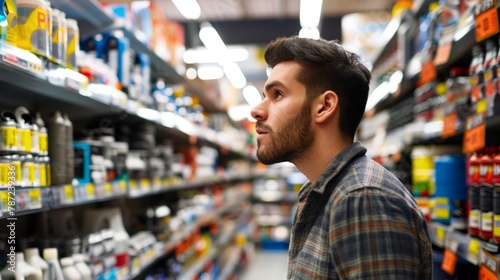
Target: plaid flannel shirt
[369,228]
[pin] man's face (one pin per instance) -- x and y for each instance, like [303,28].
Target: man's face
[283,117]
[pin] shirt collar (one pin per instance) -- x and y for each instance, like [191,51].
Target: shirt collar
[333,168]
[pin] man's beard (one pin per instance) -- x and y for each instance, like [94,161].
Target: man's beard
[290,141]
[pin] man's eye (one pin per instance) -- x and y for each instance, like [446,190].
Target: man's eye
[278,94]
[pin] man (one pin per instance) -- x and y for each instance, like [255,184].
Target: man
[354,219]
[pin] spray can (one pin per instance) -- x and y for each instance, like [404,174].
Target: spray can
[495,180]
[43,144]
[8,132]
[73,43]
[70,153]
[23,130]
[473,195]
[32,26]
[57,150]
[8,21]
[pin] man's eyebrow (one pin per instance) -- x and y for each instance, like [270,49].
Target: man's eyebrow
[275,84]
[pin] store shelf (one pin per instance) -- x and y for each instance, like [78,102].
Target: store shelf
[468,247]
[21,201]
[88,10]
[274,196]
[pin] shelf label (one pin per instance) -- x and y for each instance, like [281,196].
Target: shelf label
[449,125]
[35,198]
[486,19]
[68,194]
[445,43]
[123,186]
[488,269]
[475,132]
[157,183]
[133,184]
[108,191]
[145,184]
[428,73]
[90,191]
[449,262]
[441,208]
[440,234]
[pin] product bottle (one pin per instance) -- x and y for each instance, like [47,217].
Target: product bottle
[33,258]
[486,194]
[70,154]
[57,151]
[473,195]
[20,270]
[490,69]
[82,267]
[54,271]
[69,270]
[477,74]
[43,144]
[495,180]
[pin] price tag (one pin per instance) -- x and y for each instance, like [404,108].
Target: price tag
[449,262]
[108,191]
[441,208]
[68,194]
[4,197]
[123,186]
[440,234]
[145,184]
[475,132]
[36,198]
[486,19]
[428,73]
[449,125]
[481,106]
[137,263]
[157,183]
[445,43]
[488,269]
[90,189]
[474,247]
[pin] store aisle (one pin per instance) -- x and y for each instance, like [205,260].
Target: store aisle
[267,265]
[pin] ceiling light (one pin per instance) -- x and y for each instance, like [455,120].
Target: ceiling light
[188,8]
[312,33]
[252,95]
[377,95]
[210,73]
[213,42]
[310,13]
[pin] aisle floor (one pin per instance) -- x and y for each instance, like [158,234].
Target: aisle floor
[267,265]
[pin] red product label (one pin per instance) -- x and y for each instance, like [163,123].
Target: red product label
[496,170]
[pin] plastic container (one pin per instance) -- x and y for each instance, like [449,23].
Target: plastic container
[68,269]
[43,144]
[82,267]
[23,130]
[21,270]
[8,22]
[54,271]
[34,259]
[32,26]
[8,132]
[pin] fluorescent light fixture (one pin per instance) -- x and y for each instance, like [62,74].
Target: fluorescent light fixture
[234,74]
[310,13]
[193,56]
[377,94]
[210,73]
[211,39]
[239,112]
[395,80]
[252,95]
[190,9]
[312,33]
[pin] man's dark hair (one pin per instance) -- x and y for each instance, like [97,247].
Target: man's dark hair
[326,65]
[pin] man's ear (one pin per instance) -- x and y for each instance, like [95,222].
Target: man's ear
[326,106]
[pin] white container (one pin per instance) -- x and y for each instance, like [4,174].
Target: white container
[69,270]
[82,267]
[34,259]
[21,270]
[54,271]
